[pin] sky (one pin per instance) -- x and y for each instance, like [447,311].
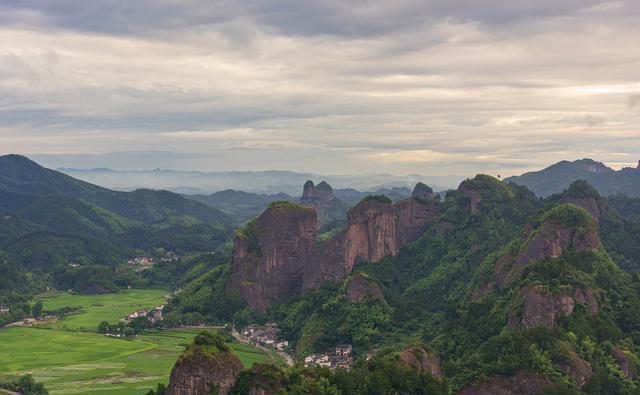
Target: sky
[326,86]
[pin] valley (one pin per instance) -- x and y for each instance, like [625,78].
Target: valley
[70,357]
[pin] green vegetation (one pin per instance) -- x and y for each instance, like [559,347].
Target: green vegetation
[92,309]
[68,360]
[570,215]
[284,205]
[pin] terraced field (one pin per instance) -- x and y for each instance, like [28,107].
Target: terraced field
[70,361]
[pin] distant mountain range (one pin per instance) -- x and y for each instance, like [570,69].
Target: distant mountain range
[558,177]
[266,182]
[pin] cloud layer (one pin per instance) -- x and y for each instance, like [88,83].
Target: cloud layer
[403,86]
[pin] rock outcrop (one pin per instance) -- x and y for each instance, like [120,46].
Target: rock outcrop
[422,190]
[422,359]
[205,367]
[321,198]
[578,369]
[522,383]
[414,216]
[565,227]
[360,287]
[273,253]
[626,361]
[540,307]
[277,256]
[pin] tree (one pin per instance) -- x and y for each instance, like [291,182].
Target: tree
[36,310]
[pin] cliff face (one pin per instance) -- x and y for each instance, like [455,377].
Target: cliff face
[414,216]
[422,190]
[272,255]
[278,257]
[205,367]
[371,232]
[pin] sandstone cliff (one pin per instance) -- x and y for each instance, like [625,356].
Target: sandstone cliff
[277,256]
[273,253]
[206,366]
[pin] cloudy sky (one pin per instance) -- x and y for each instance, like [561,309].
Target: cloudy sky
[342,87]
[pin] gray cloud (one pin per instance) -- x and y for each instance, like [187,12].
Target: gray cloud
[324,86]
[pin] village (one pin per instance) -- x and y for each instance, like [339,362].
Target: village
[152,315]
[341,358]
[144,262]
[267,335]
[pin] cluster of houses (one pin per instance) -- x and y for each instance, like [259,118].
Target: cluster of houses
[153,315]
[265,335]
[4,310]
[170,256]
[141,261]
[340,359]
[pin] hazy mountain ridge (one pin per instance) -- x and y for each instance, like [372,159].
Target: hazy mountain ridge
[267,182]
[558,177]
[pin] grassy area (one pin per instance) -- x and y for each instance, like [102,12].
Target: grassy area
[75,362]
[96,308]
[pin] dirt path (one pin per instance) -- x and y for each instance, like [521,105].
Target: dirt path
[4,391]
[287,358]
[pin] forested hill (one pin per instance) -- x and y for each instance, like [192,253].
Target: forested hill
[512,294]
[558,177]
[70,233]
[19,175]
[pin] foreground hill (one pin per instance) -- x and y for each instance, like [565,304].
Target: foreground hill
[558,177]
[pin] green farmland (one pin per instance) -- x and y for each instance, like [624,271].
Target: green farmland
[69,361]
[96,308]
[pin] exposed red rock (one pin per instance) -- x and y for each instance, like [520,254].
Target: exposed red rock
[278,257]
[204,369]
[414,216]
[523,383]
[269,262]
[578,369]
[422,359]
[360,287]
[625,361]
[542,308]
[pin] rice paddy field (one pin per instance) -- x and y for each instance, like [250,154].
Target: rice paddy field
[73,361]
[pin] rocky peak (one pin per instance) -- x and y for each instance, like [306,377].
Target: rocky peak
[322,192]
[207,366]
[321,198]
[422,190]
[272,254]
[566,226]
[582,194]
